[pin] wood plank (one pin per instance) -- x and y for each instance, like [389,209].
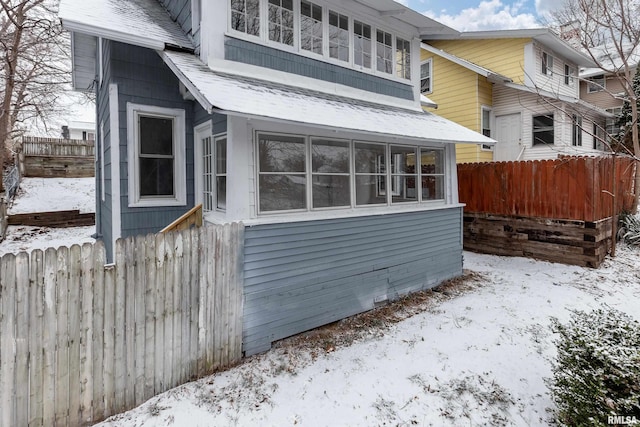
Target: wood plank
[86,333]
[120,361]
[129,321]
[109,361]
[23,327]
[140,317]
[194,301]
[203,278]
[159,386]
[99,331]
[186,352]
[56,219]
[62,338]
[36,339]
[74,310]
[178,363]
[169,311]
[8,338]
[191,218]
[49,337]
[211,302]
[150,314]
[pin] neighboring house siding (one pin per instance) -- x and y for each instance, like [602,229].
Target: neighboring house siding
[305,274]
[502,56]
[603,99]
[485,98]
[143,78]
[456,91]
[263,56]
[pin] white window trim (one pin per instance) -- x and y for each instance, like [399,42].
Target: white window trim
[179,152]
[200,132]
[352,173]
[263,39]
[483,108]
[430,62]
[549,69]
[570,77]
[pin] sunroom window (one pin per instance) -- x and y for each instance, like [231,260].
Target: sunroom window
[330,169]
[245,16]
[282,172]
[403,58]
[362,44]
[311,27]
[370,174]
[403,174]
[281,21]
[338,36]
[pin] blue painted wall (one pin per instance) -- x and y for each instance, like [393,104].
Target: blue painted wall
[302,275]
[104,218]
[255,54]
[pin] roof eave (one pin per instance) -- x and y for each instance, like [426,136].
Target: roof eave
[113,35]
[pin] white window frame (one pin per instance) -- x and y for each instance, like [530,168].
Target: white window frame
[534,131]
[388,174]
[576,130]
[569,75]
[546,64]
[430,63]
[179,197]
[486,147]
[594,86]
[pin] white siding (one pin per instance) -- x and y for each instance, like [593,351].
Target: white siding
[554,83]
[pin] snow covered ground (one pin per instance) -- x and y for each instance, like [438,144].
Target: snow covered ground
[476,352]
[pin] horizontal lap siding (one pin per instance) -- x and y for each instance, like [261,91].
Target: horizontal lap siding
[299,276]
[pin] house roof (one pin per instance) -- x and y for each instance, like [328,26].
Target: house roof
[544,36]
[609,57]
[250,97]
[490,75]
[139,22]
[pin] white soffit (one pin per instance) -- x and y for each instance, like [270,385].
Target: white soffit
[250,97]
[138,22]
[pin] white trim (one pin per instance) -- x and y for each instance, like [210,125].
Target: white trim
[114,139]
[483,108]
[101,154]
[132,39]
[100,65]
[200,132]
[430,62]
[179,178]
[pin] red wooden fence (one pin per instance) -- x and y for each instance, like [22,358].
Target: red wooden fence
[574,188]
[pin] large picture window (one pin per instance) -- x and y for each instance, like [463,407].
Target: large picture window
[300,173]
[543,129]
[156,156]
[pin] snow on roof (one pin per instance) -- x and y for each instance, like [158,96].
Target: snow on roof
[246,96]
[138,22]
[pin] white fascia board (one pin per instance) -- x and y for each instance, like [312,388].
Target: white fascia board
[105,33]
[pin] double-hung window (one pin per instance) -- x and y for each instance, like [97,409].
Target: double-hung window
[403,58]
[245,16]
[547,64]
[596,84]
[310,27]
[543,129]
[425,76]
[384,52]
[576,137]
[432,173]
[569,75]
[156,156]
[370,173]
[403,174]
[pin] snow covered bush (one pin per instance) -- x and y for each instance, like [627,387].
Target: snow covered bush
[629,230]
[597,371]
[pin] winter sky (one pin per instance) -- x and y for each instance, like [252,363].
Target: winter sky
[482,15]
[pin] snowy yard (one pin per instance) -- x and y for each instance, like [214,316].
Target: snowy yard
[475,352]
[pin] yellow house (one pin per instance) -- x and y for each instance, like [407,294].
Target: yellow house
[519,87]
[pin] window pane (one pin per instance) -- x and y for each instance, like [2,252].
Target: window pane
[425,77]
[282,192]
[207,174]
[330,156]
[221,156]
[432,161]
[245,16]
[384,52]
[156,177]
[403,58]
[403,160]
[542,130]
[221,192]
[156,135]
[331,191]
[338,36]
[403,188]
[432,187]
[281,21]
[311,27]
[371,189]
[281,153]
[370,158]
[362,44]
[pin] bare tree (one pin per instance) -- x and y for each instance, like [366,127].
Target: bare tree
[34,66]
[609,32]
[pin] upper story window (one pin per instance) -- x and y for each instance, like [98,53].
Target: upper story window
[310,27]
[569,75]
[338,36]
[576,137]
[362,44]
[547,64]
[596,84]
[403,57]
[384,52]
[425,76]
[245,16]
[281,21]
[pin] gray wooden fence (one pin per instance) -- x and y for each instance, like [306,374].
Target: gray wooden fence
[81,340]
[36,146]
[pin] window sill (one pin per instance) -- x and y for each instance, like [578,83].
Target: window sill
[147,203]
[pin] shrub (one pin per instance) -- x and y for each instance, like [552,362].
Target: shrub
[629,229]
[597,371]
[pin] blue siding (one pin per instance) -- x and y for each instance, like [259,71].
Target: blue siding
[254,54]
[219,120]
[104,210]
[143,78]
[299,276]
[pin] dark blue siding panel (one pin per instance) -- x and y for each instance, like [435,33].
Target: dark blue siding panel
[143,78]
[103,208]
[254,54]
[302,275]
[219,120]
[180,12]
